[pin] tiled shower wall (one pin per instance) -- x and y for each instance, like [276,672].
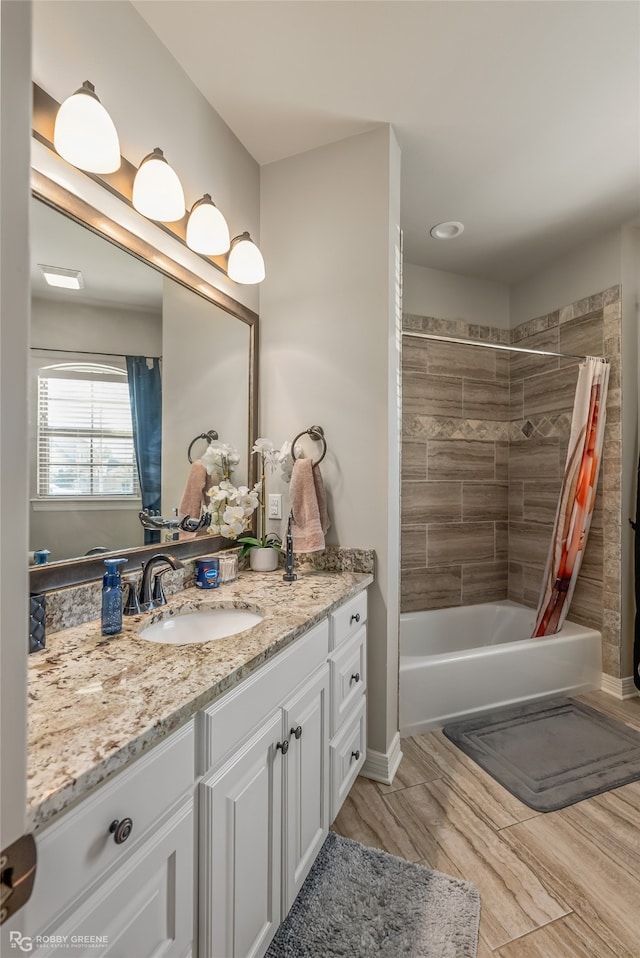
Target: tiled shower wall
[485,435]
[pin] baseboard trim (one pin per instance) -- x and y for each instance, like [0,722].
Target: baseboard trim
[382,766]
[621,688]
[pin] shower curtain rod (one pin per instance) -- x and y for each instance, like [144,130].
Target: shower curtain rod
[511,349]
[83,352]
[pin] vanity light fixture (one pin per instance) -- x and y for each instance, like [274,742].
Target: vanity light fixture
[84,133]
[64,278]
[448,230]
[245,264]
[207,230]
[157,191]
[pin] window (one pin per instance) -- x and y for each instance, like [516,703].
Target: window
[85,437]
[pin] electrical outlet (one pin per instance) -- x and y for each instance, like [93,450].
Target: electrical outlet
[275,506]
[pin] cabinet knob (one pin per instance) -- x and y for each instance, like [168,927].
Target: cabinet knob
[354,618]
[355,677]
[297,732]
[283,746]
[121,830]
[356,754]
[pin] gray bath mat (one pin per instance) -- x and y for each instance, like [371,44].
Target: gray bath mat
[551,754]
[359,901]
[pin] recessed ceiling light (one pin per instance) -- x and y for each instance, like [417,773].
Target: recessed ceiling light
[65,278]
[448,230]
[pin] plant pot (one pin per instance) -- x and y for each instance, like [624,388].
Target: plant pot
[263,559]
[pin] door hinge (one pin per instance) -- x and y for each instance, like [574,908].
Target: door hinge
[17,874]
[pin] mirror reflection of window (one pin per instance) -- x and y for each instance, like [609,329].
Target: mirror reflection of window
[84,434]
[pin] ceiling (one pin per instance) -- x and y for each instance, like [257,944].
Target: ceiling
[520,119]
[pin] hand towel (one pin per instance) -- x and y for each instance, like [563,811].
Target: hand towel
[308,502]
[193,497]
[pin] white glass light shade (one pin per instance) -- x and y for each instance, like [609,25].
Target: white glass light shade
[245,264]
[84,133]
[157,191]
[207,230]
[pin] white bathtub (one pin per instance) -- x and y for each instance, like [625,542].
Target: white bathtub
[459,662]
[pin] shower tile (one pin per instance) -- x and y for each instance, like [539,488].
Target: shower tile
[460,459]
[414,459]
[534,457]
[502,365]
[431,589]
[469,362]
[611,295]
[516,580]
[611,659]
[431,502]
[529,542]
[413,547]
[551,392]
[501,539]
[532,576]
[414,355]
[431,395]
[540,500]
[486,501]
[524,365]
[587,603]
[516,499]
[481,400]
[593,560]
[582,337]
[502,461]
[484,582]
[516,400]
[453,544]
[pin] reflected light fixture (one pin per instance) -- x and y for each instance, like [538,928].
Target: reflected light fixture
[157,191]
[64,278]
[207,230]
[84,133]
[448,230]
[245,264]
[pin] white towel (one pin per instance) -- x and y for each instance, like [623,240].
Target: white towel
[194,495]
[308,502]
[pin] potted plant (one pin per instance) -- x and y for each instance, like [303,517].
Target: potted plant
[264,549]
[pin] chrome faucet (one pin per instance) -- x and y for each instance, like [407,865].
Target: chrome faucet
[146,596]
[289,574]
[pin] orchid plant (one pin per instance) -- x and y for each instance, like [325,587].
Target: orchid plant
[270,457]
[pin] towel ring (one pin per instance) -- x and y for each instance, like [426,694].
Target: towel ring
[317,434]
[210,436]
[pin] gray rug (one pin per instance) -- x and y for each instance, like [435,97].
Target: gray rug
[551,754]
[358,902]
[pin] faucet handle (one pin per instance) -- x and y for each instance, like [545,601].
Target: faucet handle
[132,602]
[159,598]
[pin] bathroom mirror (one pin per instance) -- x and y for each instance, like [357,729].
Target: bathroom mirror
[132,307]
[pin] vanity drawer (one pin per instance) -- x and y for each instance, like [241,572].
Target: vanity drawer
[348,753]
[79,849]
[348,665]
[346,620]
[231,719]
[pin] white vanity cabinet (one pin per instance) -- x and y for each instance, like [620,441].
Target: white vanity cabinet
[119,866]
[264,808]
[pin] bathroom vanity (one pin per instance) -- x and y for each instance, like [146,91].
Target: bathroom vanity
[184,818]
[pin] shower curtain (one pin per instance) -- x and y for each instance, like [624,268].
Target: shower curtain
[145,394]
[577,497]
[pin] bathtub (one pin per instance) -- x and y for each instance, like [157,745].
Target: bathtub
[459,662]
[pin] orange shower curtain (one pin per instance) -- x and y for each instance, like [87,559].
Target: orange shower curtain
[577,497]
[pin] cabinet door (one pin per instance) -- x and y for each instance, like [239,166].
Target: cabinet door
[145,908]
[307,780]
[240,848]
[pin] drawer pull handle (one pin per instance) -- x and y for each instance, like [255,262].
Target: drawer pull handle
[121,830]
[354,678]
[354,618]
[356,754]
[283,746]
[296,732]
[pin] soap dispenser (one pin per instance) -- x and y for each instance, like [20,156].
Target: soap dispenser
[112,598]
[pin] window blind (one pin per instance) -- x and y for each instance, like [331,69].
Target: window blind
[85,437]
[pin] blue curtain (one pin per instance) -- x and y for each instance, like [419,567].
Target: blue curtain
[145,392]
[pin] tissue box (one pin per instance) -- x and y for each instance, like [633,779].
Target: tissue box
[37,609]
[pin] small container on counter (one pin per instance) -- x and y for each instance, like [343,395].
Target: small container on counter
[228,566]
[208,572]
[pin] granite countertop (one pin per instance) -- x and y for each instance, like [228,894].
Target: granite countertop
[97,702]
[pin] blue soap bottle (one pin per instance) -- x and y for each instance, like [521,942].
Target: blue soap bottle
[112,598]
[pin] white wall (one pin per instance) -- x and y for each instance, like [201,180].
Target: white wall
[108,329]
[586,270]
[435,292]
[152,103]
[329,356]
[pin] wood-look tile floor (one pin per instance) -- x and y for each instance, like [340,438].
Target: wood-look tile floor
[563,884]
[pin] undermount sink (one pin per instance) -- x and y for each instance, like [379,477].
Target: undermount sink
[203,626]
